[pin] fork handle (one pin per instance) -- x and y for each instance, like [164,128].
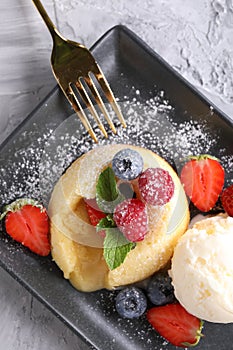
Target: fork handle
[51,27]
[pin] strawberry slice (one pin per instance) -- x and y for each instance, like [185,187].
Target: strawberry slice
[176,325]
[94,212]
[26,221]
[227,200]
[203,180]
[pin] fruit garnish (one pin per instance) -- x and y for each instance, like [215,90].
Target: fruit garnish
[26,221]
[176,325]
[156,186]
[203,179]
[107,193]
[131,302]
[116,247]
[130,217]
[127,164]
[227,200]
[160,290]
[94,213]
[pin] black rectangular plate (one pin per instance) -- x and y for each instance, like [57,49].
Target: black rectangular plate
[136,72]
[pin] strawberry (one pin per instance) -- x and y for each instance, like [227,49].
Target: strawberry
[203,180]
[176,325]
[227,200]
[131,218]
[156,186]
[94,212]
[26,221]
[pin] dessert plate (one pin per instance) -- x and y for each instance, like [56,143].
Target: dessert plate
[164,113]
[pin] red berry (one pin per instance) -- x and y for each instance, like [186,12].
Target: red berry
[131,218]
[156,186]
[94,212]
[176,325]
[203,180]
[227,200]
[29,225]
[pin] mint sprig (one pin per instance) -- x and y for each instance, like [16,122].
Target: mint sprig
[105,223]
[116,247]
[107,193]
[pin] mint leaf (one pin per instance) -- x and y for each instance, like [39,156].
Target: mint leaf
[106,186]
[105,223]
[107,194]
[116,248]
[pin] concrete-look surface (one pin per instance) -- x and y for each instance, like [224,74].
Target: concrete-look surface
[195,37]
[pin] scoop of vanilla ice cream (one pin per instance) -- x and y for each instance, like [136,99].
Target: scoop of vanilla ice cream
[202,269]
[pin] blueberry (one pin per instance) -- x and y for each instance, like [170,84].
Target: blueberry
[127,164]
[131,302]
[160,290]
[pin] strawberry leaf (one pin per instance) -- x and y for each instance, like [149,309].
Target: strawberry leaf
[20,203]
[116,248]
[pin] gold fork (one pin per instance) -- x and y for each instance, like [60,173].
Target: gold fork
[73,67]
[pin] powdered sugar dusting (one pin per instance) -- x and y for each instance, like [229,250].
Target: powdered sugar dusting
[19,173]
[35,162]
[34,169]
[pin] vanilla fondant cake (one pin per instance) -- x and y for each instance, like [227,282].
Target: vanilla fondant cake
[77,247]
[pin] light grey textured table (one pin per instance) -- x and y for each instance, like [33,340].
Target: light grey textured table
[195,37]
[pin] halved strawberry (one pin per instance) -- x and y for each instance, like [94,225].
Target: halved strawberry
[203,180]
[26,221]
[94,212]
[176,325]
[227,200]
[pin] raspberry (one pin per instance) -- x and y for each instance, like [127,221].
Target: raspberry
[227,200]
[156,186]
[131,218]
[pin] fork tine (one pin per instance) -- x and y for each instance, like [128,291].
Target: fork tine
[89,104]
[99,101]
[69,59]
[109,94]
[78,109]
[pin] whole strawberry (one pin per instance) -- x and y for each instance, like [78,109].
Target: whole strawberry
[227,200]
[26,221]
[131,218]
[203,179]
[176,325]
